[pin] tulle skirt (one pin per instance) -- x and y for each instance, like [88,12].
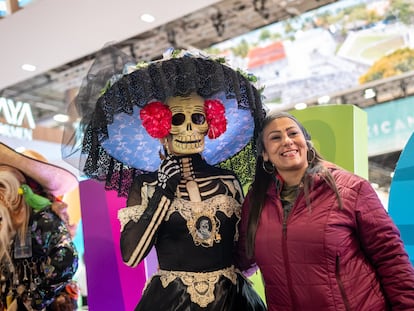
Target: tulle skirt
[175,297]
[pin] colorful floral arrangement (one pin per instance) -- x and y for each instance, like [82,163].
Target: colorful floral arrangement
[216,119]
[157,117]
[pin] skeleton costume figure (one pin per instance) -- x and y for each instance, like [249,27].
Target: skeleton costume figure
[188,204]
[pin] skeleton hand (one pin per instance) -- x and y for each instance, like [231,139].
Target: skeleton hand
[169,175]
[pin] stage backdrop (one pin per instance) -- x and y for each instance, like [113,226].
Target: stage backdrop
[339,133]
[401,201]
[112,285]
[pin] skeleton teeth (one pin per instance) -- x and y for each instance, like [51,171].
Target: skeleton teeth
[193,146]
[189,138]
[188,142]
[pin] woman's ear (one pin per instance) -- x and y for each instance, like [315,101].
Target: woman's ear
[265,156]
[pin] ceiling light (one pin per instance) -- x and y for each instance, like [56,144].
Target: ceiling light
[324,100]
[301,106]
[148,18]
[369,93]
[29,67]
[62,118]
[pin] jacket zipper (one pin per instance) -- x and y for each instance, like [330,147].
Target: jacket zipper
[286,260]
[341,285]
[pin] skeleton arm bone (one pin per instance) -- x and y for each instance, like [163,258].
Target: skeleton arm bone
[139,229]
[137,237]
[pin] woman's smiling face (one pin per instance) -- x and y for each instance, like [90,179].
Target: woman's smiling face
[285,146]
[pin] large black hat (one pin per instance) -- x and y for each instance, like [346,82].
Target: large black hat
[110,141]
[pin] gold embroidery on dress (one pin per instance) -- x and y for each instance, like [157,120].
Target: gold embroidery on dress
[200,285]
[201,219]
[135,212]
[204,229]
[129,213]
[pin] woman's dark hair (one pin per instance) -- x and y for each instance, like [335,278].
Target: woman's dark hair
[262,178]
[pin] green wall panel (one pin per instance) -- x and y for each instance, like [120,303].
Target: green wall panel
[339,133]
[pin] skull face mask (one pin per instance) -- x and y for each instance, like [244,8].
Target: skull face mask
[189,124]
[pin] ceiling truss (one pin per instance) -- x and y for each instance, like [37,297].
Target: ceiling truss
[50,92]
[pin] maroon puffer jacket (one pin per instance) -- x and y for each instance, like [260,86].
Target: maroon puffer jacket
[330,259]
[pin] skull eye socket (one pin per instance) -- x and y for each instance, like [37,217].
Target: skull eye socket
[198,118]
[178,119]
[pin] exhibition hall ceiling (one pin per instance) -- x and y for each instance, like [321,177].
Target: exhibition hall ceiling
[62,37]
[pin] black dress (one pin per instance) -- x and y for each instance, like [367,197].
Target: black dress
[194,234]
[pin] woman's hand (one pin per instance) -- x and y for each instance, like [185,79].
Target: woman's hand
[60,208]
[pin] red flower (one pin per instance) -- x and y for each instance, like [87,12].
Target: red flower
[156,118]
[216,118]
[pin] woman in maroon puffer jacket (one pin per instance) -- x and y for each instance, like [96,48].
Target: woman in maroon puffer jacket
[319,234]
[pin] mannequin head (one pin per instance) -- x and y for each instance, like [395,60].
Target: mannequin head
[189,125]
